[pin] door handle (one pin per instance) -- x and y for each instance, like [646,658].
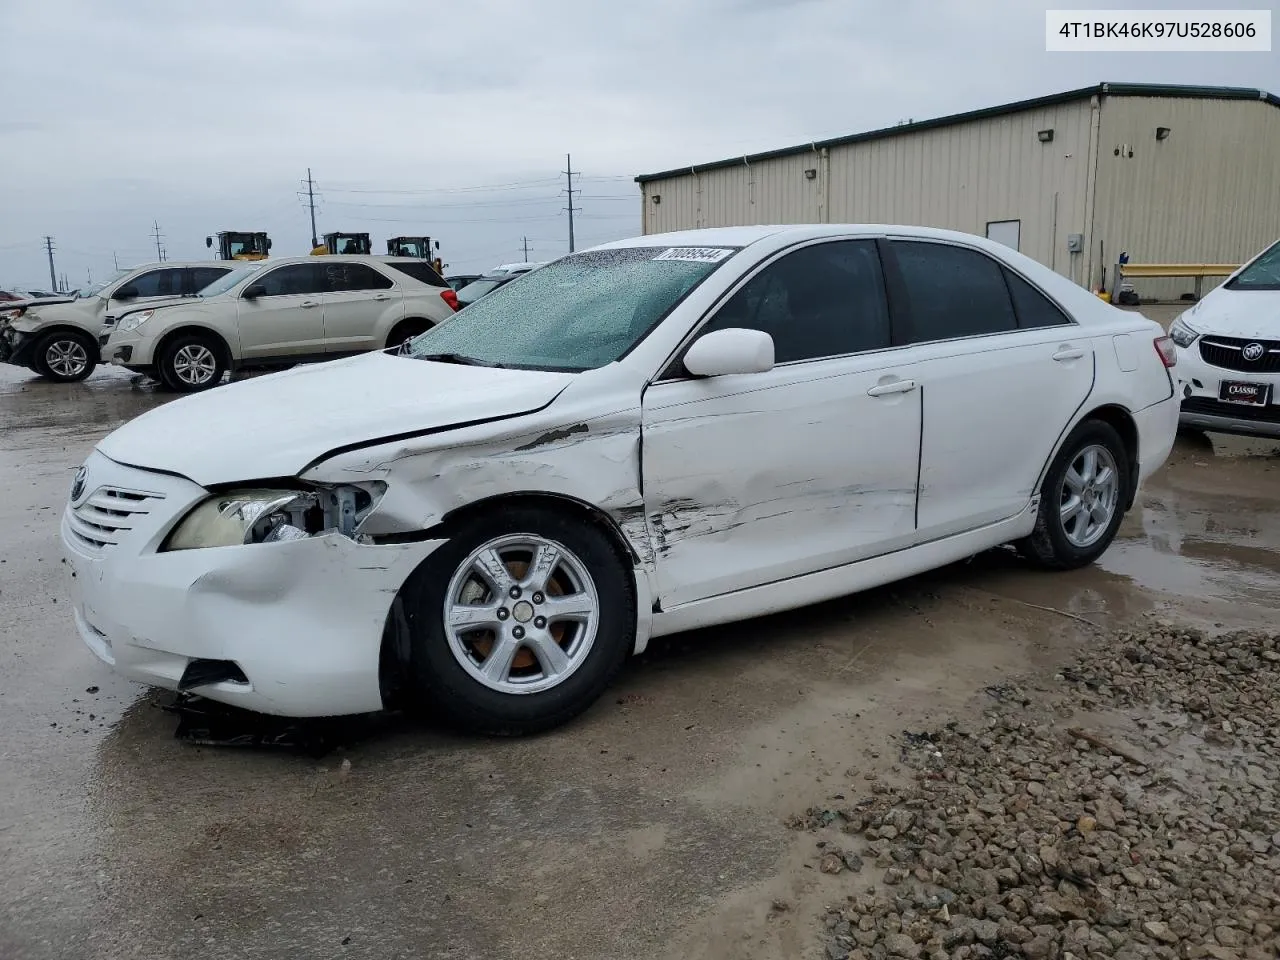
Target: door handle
[382,296]
[1068,352]
[895,386]
[308,304]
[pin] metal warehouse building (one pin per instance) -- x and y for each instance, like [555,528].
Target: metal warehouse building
[1169,174]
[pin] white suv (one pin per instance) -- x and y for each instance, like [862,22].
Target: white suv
[59,340]
[281,312]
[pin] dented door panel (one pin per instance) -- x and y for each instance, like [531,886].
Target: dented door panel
[752,479]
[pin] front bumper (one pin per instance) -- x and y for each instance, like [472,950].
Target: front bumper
[15,346]
[303,620]
[1198,389]
[126,349]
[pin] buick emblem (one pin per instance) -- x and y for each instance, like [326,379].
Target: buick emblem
[77,485]
[1252,351]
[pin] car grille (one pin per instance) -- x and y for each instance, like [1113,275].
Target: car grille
[111,512]
[1236,411]
[1228,353]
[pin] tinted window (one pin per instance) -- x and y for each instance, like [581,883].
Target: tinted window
[295,279]
[348,277]
[952,292]
[1033,308]
[821,301]
[421,271]
[201,277]
[158,283]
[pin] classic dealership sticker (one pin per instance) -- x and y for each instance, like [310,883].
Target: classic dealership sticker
[694,254]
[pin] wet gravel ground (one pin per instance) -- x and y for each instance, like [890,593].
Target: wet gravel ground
[1125,806]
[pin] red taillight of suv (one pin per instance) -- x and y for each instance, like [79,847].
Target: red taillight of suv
[451,298]
[1168,353]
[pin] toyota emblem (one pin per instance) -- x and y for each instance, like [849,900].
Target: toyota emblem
[77,485]
[1253,351]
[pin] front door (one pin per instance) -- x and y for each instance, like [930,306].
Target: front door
[356,306]
[1002,371]
[750,479]
[288,318]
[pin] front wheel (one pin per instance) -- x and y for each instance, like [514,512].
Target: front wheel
[519,622]
[65,356]
[1082,500]
[192,362]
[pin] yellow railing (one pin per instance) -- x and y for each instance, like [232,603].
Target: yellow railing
[1197,270]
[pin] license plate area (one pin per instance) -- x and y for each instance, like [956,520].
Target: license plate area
[1242,392]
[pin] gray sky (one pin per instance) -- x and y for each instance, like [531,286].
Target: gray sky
[206,116]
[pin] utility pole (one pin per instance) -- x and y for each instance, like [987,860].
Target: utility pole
[568,162]
[526,249]
[311,202]
[53,276]
[157,234]
[89,271]
[115,260]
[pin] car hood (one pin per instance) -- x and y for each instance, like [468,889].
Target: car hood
[278,425]
[1237,313]
[78,312]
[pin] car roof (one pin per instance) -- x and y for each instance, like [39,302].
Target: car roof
[744,236]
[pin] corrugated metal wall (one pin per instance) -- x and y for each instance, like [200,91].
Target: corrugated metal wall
[959,177]
[1210,193]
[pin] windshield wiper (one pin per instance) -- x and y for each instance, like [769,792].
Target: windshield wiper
[454,358]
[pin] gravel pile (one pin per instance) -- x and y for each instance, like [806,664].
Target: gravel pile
[1126,808]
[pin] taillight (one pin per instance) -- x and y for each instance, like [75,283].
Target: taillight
[1168,353]
[450,297]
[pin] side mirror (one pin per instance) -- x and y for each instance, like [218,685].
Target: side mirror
[253,291]
[208,241]
[734,350]
[268,243]
[127,292]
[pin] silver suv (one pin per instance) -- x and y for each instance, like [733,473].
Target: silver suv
[276,313]
[59,340]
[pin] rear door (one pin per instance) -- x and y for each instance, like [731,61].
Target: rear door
[750,479]
[360,307]
[1002,370]
[288,320]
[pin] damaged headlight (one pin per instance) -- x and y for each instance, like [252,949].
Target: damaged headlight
[254,515]
[132,321]
[1182,333]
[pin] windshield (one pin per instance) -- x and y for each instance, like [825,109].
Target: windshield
[578,313]
[227,281]
[95,288]
[475,290]
[1262,274]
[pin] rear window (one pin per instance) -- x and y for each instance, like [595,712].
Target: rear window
[420,270]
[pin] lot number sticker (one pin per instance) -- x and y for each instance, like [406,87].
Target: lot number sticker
[694,254]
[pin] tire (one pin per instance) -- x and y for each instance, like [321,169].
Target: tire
[524,695]
[406,330]
[1058,544]
[192,362]
[65,356]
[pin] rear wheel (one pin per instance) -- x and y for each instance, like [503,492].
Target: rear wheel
[406,331]
[65,356]
[1082,500]
[193,361]
[519,622]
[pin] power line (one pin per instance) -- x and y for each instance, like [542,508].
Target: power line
[514,185]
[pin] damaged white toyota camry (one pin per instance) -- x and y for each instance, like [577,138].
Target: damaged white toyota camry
[649,436]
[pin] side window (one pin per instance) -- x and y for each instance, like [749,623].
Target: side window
[952,291]
[201,277]
[1033,308]
[821,301]
[349,277]
[295,279]
[158,283]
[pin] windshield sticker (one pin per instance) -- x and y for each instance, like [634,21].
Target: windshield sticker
[694,254]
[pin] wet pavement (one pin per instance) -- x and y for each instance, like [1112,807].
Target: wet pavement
[651,827]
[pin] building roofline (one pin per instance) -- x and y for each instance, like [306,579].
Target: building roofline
[1171,90]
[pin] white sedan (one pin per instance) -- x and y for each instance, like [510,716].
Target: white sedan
[650,436]
[1229,352]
